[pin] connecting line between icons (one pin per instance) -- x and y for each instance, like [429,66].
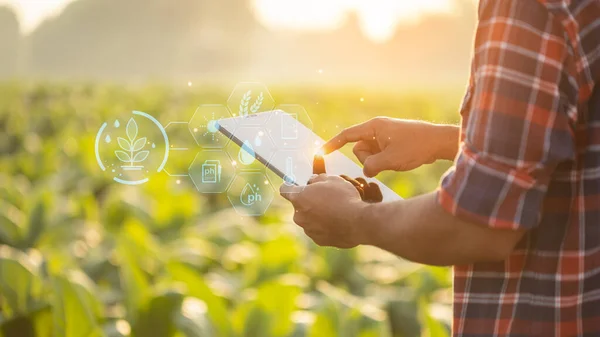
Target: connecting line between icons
[166,126]
[177,148]
[175,175]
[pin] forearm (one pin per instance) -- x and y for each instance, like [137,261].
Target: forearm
[447,139]
[420,230]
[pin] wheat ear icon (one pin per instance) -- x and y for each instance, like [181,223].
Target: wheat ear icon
[245,103]
[257,103]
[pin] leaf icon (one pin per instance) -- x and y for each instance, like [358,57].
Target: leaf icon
[123,156]
[141,156]
[139,144]
[124,144]
[132,129]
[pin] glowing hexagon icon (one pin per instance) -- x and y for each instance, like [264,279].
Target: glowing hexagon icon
[248,154]
[251,193]
[204,126]
[289,167]
[285,129]
[212,171]
[249,98]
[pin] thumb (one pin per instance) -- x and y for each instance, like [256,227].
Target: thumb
[375,164]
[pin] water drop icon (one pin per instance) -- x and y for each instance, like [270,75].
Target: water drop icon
[153,146]
[107,139]
[246,155]
[117,124]
[258,140]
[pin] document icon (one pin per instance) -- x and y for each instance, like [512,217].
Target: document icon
[211,172]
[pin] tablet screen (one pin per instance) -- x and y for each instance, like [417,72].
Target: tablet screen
[289,149]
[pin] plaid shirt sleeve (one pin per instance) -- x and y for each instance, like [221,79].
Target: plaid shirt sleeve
[516,124]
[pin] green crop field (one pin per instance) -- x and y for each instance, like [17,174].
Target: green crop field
[81,255]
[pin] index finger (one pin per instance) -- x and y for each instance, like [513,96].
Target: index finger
[352,134]
[289,192]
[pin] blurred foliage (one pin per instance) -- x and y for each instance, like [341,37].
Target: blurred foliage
[82,256]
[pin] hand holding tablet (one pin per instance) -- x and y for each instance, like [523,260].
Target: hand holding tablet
[242,128]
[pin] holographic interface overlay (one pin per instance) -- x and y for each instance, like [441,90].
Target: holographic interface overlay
[134,147]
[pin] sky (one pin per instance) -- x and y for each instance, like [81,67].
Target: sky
[378,17]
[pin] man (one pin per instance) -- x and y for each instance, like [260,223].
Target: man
[518,216]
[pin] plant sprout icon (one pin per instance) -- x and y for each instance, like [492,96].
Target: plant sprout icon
[132,153]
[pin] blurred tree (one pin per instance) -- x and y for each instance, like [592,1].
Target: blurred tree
[138,39]
[10,40]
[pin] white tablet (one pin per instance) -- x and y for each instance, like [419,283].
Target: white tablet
[290,149]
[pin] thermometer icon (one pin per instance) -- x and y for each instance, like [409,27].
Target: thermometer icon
[289,178]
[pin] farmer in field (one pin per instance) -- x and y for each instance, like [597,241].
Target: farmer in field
[518,215]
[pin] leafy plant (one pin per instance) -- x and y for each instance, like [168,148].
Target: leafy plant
[132,146]
[80,256]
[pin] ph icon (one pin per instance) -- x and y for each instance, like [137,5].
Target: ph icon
[211,172]
[250,195]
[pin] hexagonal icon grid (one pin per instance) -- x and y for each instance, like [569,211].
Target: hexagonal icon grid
[204,126]
[293,165]
[212,171]
[251,193]
[285,129]
[257,143]
[182,148]
[248,98]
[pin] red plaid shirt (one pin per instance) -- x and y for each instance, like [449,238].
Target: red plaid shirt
[530,159]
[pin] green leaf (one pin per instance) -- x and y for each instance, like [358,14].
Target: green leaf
[278,299]
[433,327]
[196,287]
[134,282]
[156,318]
[139,144]
[140,156]
[123,156]
[132,129]
[324,326]
[124,144]
[74,312]
[404,316]
[258,323]
[20,285]
[37,323]
[37,223]
[42,320]
[21,326]
[11,219]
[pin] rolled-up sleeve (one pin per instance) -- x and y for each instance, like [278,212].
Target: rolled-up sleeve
[518,117]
